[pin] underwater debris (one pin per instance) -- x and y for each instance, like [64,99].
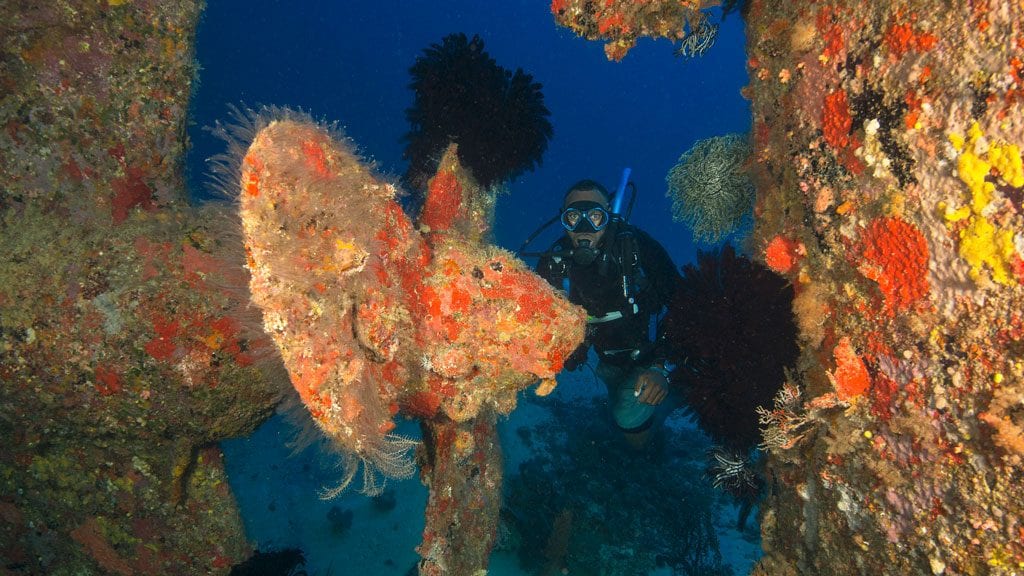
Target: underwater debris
[356,298]
[375,316]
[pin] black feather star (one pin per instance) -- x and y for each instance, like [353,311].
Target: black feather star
[497,117]
[732,335]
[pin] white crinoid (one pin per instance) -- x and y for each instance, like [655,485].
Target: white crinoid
[731,471]
[710,189]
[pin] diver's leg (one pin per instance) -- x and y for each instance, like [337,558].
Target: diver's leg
[637,421]
[639,440]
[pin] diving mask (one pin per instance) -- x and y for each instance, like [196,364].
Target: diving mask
[584,216]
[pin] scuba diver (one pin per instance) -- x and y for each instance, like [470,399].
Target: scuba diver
[625,280]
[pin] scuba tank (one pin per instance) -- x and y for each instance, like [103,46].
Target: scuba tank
[620,192]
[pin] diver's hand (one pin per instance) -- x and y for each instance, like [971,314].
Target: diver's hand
[651,387]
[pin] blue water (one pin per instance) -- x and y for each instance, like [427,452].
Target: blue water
[348,62]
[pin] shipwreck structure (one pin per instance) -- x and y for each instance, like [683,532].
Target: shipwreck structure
[886,150]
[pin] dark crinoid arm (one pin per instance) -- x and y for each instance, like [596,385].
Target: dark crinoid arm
[497,117]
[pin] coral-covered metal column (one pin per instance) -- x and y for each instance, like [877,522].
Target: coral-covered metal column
[887,152]
[462,468]
[887,142]
[461,464]
[123,360]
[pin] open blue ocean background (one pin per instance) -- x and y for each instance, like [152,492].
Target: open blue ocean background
[348,62]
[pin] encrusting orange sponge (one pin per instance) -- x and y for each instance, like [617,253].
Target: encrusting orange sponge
[851,378]
[896,256]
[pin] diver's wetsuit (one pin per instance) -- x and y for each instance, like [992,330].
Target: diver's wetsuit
[623,345]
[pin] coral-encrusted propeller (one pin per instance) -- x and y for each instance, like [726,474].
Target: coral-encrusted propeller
[372,316]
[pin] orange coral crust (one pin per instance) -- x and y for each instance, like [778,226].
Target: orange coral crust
[851,377]
[488,319]
[781,254]
[896,256]
[831,32]
[836,121]
[901,38]
[444,204]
